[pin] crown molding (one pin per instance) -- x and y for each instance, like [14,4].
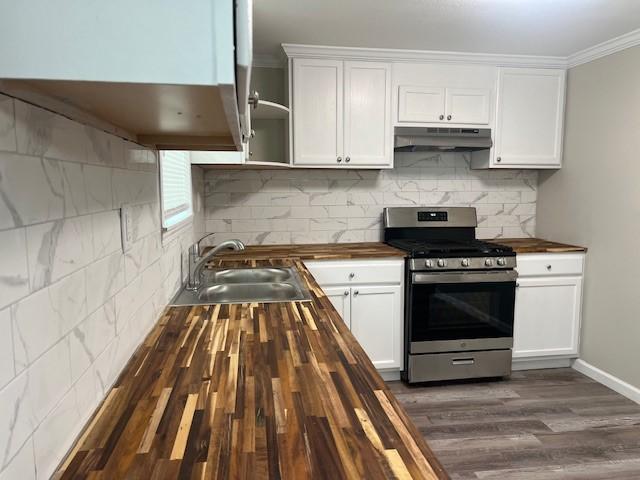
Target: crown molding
[603,49]
[427,56]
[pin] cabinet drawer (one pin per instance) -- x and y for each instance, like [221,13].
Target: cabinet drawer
[543,264]
[342,272]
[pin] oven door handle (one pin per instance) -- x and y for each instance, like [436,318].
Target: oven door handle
[465,277]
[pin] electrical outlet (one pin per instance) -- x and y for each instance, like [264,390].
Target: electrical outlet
[126,227]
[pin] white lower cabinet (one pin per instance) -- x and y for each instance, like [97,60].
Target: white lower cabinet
[341,299]
[371,305]
[548,306]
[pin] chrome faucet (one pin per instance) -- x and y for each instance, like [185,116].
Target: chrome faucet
[197,261]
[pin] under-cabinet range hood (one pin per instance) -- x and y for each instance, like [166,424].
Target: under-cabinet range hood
[432,139]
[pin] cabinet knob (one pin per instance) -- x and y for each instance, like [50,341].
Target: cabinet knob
[448,117]
[356,292]
[499,159]
[348,159]
[346,293]
[517,285]
[548,267]
[339,159]
[441,117]
[351,275]
[254,99]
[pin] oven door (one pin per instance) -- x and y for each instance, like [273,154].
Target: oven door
[457,311]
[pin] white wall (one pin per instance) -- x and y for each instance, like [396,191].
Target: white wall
[595,201]
[331,205]
[73,308]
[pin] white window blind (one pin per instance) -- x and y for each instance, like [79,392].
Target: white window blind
[175,187]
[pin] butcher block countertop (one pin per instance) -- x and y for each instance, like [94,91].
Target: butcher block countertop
[255,391]
[537,245]
[319,251]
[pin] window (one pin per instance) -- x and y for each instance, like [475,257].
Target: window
[175,188]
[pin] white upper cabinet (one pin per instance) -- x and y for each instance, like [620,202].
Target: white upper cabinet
[367,113]
[468,105]
[443,95]
[421,104]
[341,113]
[529,118]
[153,72]
[318,111]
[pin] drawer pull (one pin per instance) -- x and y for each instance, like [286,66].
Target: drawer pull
[351,275]
[549,267]
[356,293]
[346,293]
[463,361]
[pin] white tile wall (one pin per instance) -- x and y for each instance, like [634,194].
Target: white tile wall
[73,307]
[318,206]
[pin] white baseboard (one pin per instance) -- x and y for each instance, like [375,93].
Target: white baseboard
[614,383]
[389,375]
[538,364]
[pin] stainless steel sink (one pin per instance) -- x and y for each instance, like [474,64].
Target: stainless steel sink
[247,275]
[246,285]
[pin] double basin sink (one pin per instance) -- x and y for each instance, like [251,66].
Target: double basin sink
[246,285]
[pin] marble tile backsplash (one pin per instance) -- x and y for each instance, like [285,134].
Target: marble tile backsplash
[319,206]
[73,307]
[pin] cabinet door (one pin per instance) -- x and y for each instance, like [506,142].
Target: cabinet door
[421,104]
[367,113]
[341,299]
[530,113]
[547,316]
[467,105]
[317,111]
[376,322]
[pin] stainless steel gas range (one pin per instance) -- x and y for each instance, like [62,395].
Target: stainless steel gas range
[460,295]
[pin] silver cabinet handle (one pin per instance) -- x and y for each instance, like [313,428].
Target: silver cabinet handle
[348,159]
[339,159]
[356,292]
[346,293]
[441,117]
[499,159]
[448,117]
[463,361]
[351,275]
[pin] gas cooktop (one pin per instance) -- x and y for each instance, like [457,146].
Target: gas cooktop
[451,248]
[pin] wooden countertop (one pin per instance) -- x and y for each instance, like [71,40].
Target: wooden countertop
[280,390]
[322,251]
[537,245]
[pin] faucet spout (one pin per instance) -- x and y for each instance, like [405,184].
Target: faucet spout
[197,262]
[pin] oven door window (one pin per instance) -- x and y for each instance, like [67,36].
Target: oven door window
[454,311]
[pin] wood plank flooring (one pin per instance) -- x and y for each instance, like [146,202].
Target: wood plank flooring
[540,424]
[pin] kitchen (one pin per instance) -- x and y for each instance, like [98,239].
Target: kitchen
[426,218]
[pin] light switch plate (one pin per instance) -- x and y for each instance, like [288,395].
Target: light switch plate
[126,227]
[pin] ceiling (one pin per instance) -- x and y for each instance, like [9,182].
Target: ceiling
[523,27]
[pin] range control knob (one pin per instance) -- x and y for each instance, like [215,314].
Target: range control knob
[442,262]
[428,263]
[488,262]
[501,262]
[465,262]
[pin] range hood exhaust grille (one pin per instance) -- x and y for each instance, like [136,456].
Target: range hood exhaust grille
[443,139]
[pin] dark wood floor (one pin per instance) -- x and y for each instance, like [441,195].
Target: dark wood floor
[540,424]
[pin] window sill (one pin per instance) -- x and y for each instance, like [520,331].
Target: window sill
[170,234]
